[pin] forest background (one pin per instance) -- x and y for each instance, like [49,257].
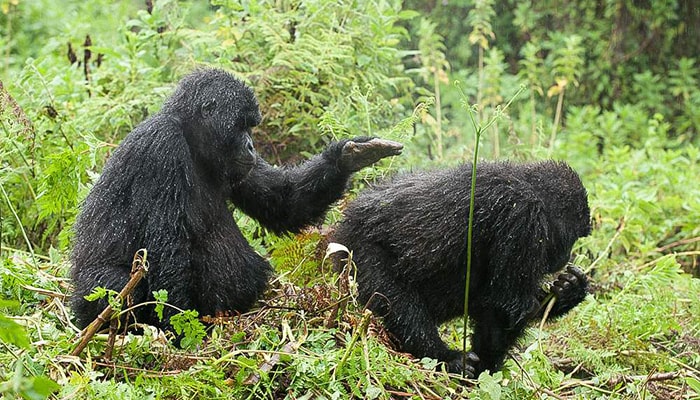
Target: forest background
[609,86]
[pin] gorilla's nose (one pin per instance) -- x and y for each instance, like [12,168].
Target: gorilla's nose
[250,148]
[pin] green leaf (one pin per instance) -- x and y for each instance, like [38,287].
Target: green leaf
[408,14]
[97,293]
[13,333]
[11,304]
[428,363]
[187,324]
[40,388]
[490,386]
[161,297]
[373,392]
[694,384]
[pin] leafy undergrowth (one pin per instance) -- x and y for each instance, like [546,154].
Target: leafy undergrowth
[639,336]
[301,342]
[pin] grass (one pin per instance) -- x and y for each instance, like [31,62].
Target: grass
[633,336]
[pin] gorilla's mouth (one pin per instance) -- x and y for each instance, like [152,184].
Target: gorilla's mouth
[247,160]
[243,168]
[244,165]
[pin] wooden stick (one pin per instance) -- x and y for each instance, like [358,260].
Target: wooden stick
[678,243]
[655,377]
[616,380]
[139,267]
[113,326]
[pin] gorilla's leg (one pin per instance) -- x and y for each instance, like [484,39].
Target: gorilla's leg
[407,316]
[491,342]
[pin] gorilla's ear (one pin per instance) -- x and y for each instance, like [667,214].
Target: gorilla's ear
[208,107]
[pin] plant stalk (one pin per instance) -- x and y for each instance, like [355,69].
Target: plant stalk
[557,117]
[470,228]
[438,115]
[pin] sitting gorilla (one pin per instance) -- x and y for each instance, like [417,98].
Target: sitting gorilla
[408,240]
[166,189]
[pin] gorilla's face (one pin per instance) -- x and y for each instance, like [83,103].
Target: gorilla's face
[229,111]
[220,113]
[572,223]
[558,258]
[230,130]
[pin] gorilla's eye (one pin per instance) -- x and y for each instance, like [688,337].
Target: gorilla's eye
[208,106]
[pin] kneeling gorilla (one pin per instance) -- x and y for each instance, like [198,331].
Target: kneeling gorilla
[166,189]
[408,239]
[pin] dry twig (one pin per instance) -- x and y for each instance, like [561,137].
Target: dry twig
[681,242]
[139,267]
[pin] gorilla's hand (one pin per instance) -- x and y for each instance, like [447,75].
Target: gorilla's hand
[361,152]
[570,288]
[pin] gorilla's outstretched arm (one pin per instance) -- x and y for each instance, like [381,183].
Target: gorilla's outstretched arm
[287,199]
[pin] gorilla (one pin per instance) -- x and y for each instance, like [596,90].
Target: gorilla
[408,239]
[167,187]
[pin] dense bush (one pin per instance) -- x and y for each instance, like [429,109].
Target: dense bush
[612,54]
[321,70]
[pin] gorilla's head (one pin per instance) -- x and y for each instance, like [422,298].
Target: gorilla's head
[217,112]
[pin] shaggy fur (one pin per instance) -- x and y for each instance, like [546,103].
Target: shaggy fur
[408,239]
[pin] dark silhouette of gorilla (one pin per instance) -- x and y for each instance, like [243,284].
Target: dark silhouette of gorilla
[166,189]
[408,239]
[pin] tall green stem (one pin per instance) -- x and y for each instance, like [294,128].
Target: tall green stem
[470,228]
[20,225]
[478,130]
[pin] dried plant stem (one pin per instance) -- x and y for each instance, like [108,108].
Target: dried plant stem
[343,294]
[9,103]
[139,267]
[557,118]
[678,243]
[438,115]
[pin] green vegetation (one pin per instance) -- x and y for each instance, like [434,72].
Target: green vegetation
[610,87]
